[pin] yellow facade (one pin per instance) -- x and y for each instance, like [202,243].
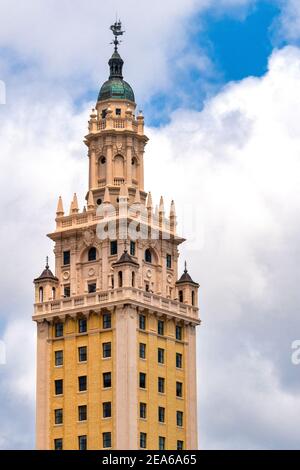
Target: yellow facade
[116,293]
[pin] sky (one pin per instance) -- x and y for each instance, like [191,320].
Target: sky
[218,82]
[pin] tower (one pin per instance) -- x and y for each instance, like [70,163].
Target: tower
[116,344]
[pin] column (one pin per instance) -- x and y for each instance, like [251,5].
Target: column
[93,167]
[129,165]
[191,389]
[126,378]
[109,166]
[43,387]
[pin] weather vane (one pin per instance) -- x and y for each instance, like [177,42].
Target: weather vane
[117,31]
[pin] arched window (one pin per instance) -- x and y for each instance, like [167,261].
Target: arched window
[193,297]
[102,167]
[120,278]
[180,296]
[41,294]
[148,256]
[53,293]
[118,166]
[133,279]
[92,254]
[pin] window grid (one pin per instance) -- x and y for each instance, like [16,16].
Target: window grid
[142,380]
[160,327]
[82,325]
[106,408]
[59,358]
[179,360]
[161,356]
[106,436]
[142,322]
[143,410]
[58,416]
[143,440]
[59,330]
[106,379]
[82,354]
[106,321]
[142,351]
[58,444]
[82,383]
[82,442]
[161,414]
[82,413]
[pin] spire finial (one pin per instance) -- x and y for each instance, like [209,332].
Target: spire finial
[125,246]
[185,267]
[47,262]
[116,29]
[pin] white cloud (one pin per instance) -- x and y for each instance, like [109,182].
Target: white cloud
[289,19]
[65,40]
[237,162]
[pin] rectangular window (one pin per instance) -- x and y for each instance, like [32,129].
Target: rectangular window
[142,380]
[178,389]
[58,444]
[142,322]
[161,414]
[132,248]
[160,327]
[82,442]
[107,379]
[161,385]
[82,383]
[106,321]
[118,111]
[114,247]
[179,360]
[161,443]
[106,409]
[143,440]
[143,410]
[58,416]
[66,258]
[59,358]
[82,354]
[142,351]
[59,388]
[82,325]
[179,418]
[58,330]
[92,287]
[161,355]
[67,290]
[169,261]
[103,113]
[82,413]
[106,349]
[179,445]
[178,332]
[106,436]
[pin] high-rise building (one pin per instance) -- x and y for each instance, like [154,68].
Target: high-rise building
[116,343]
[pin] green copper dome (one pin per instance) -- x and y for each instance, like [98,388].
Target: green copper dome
[116,88]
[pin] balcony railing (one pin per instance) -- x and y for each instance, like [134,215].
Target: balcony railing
[106,298]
